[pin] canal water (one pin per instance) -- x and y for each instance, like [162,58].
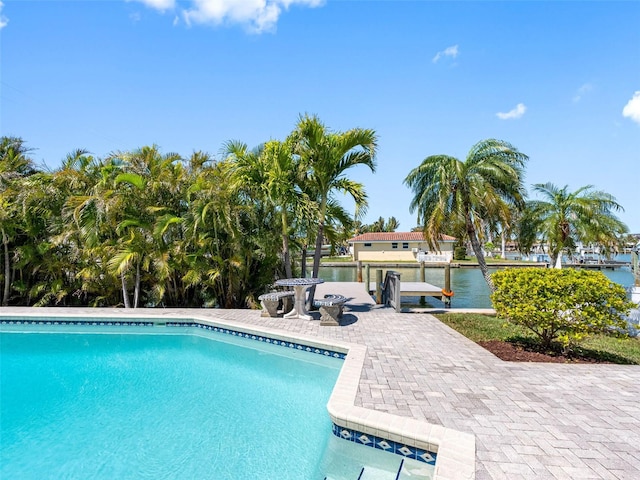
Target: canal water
[469,286]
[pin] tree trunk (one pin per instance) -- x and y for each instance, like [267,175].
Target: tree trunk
[125,295]
[7,270]
[316,260]
[558,262]
[285,245]
[504,245]
[477,249]
[136,291]
[303,262]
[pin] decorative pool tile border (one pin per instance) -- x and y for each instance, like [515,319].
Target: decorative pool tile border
[262,338]
[150,322]
[92,323]
[385,444]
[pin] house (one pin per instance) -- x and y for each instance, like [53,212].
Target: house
[399,246]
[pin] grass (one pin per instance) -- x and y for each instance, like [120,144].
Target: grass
[336,259]
[482,328]
[370,262]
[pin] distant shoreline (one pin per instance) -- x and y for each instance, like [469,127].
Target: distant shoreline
[352,264]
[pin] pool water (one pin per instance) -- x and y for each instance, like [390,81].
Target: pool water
[169,406]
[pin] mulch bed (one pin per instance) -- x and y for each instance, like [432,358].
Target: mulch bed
[512,352]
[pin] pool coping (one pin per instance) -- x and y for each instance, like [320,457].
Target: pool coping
[456,451]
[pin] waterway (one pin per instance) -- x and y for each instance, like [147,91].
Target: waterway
[469,286]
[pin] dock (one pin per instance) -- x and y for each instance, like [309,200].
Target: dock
[358,298]
[414,289]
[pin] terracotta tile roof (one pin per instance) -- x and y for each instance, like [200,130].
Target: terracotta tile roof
[395,237]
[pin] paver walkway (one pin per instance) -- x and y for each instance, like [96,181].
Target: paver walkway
[542,421]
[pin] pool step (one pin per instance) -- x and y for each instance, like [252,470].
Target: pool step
[404,472]
[344,460]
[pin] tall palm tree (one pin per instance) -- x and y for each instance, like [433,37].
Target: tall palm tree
[565,218]
[448,192]
[15,165]
[150,189]
[271,174]
[233,246]
[326,156]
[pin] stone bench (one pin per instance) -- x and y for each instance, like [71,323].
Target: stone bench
[330,308]
[271,301]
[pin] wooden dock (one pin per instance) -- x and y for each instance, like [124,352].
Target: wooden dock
[416,289]
[359,299]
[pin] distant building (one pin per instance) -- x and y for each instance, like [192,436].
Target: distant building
[399,246]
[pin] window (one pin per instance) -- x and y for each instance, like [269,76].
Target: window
[405,245]
[367,244]
[394,245]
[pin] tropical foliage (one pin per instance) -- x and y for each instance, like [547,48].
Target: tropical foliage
[391,224]
[143,228]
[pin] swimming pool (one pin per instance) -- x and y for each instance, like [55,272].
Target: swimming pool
[59,451]
[144,405]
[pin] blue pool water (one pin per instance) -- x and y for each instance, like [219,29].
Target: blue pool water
[106,406]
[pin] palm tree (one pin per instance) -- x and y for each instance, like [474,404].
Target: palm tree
[15,165]
[392,224]
[271,173]
[382,225]
[326,156]
[233,248]
[479,190]
[150,190]
[565,218]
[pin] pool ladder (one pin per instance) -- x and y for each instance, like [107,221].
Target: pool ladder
[362,472]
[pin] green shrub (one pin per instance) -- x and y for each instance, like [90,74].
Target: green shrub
[460,253]
[560,305]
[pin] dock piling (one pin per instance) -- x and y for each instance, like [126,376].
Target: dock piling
[447,284]
[422,279]
[379,287]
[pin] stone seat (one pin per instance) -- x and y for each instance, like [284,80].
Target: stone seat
[272,300]
[330,308]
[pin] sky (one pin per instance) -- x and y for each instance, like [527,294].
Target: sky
[559,80]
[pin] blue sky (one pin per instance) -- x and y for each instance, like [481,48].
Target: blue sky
[560,80]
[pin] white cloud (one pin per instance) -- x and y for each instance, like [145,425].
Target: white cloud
[3,20]
[447,52]
[582,91]
[512,114]
[256,15]
[161,5]
[632,108]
